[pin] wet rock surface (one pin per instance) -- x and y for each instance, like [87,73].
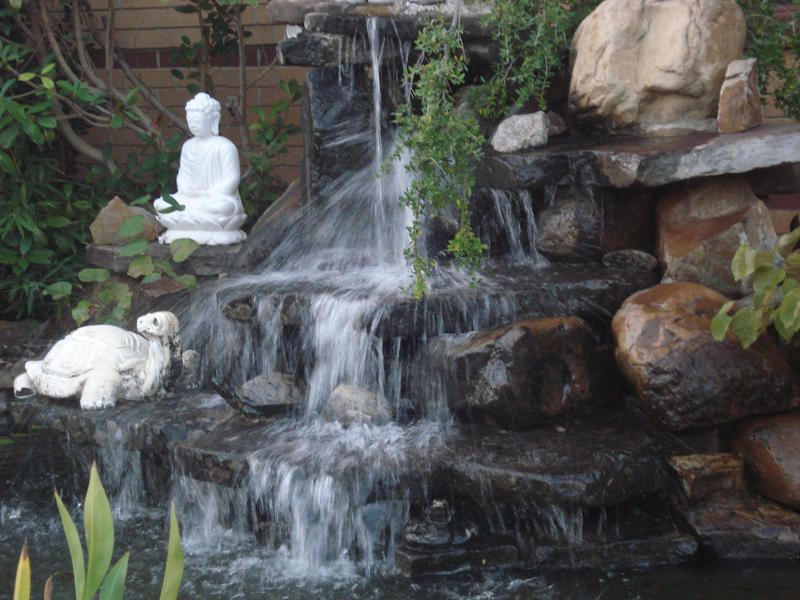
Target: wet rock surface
[631,73]
[770,447]
[701,226]
[349,404]
[519,375]
[589,464]
[590,292]
[683,377]
[630,259]
[744,528]
[272,393]
[337,116]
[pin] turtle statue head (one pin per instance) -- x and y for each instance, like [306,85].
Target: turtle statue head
[158,324]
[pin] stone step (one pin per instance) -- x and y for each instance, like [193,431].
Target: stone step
[590,291]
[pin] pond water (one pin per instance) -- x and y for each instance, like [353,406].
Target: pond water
[235,566]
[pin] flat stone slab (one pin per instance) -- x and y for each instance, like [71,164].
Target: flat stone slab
[204,261]
[666,549]
[137,425]
[647,162]
[594,463]
[414,562]
[744,528]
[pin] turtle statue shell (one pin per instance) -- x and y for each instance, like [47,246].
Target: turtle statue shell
[103,363]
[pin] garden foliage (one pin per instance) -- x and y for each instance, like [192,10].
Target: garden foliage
[92,573]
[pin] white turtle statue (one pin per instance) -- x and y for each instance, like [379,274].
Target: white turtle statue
[102,363]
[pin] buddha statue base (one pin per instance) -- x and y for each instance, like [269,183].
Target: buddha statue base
[205,238]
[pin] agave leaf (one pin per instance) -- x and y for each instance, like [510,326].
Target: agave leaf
[75,549]
[173,571]
[99,528]
[22,582]
[114,583]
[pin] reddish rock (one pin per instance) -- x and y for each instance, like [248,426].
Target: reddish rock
[522,374]
[105,226]
[702,224]
[739,99]
[708,476]
[683,377]
[770,447]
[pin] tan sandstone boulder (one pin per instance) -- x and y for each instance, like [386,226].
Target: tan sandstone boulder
[654,66]
[702,224]
[683,377]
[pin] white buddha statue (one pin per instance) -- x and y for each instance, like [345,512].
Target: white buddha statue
[208,183]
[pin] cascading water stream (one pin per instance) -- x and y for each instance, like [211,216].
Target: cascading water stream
[328,494]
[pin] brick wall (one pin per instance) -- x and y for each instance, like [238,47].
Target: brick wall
[146,31]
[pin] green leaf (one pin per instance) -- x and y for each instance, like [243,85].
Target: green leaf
[787,315]
[114,583]
[47,122]
[132,226]
[746,326]
[47,83]
[743,262]
[188,280]
[58,290]
[113,292]
[75,549]
[93,275]
[767,277]
[98,526]
[82,312]
[155,276]
[27,76]
[721,321]
[22,581]
[140,266]
[57,221]
[116,121]
[133,248]
[167,268]
[173,571]
[7,164]
[182,248]
[787,242]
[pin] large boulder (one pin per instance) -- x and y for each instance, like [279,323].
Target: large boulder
[702,224]
[684,378]
[654,66]
[516,376]
[770,447]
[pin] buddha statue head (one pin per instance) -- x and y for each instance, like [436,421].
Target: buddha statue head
[202,115]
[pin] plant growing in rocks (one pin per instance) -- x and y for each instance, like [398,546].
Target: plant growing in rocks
[444,144]
[776,293]
[773,37]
